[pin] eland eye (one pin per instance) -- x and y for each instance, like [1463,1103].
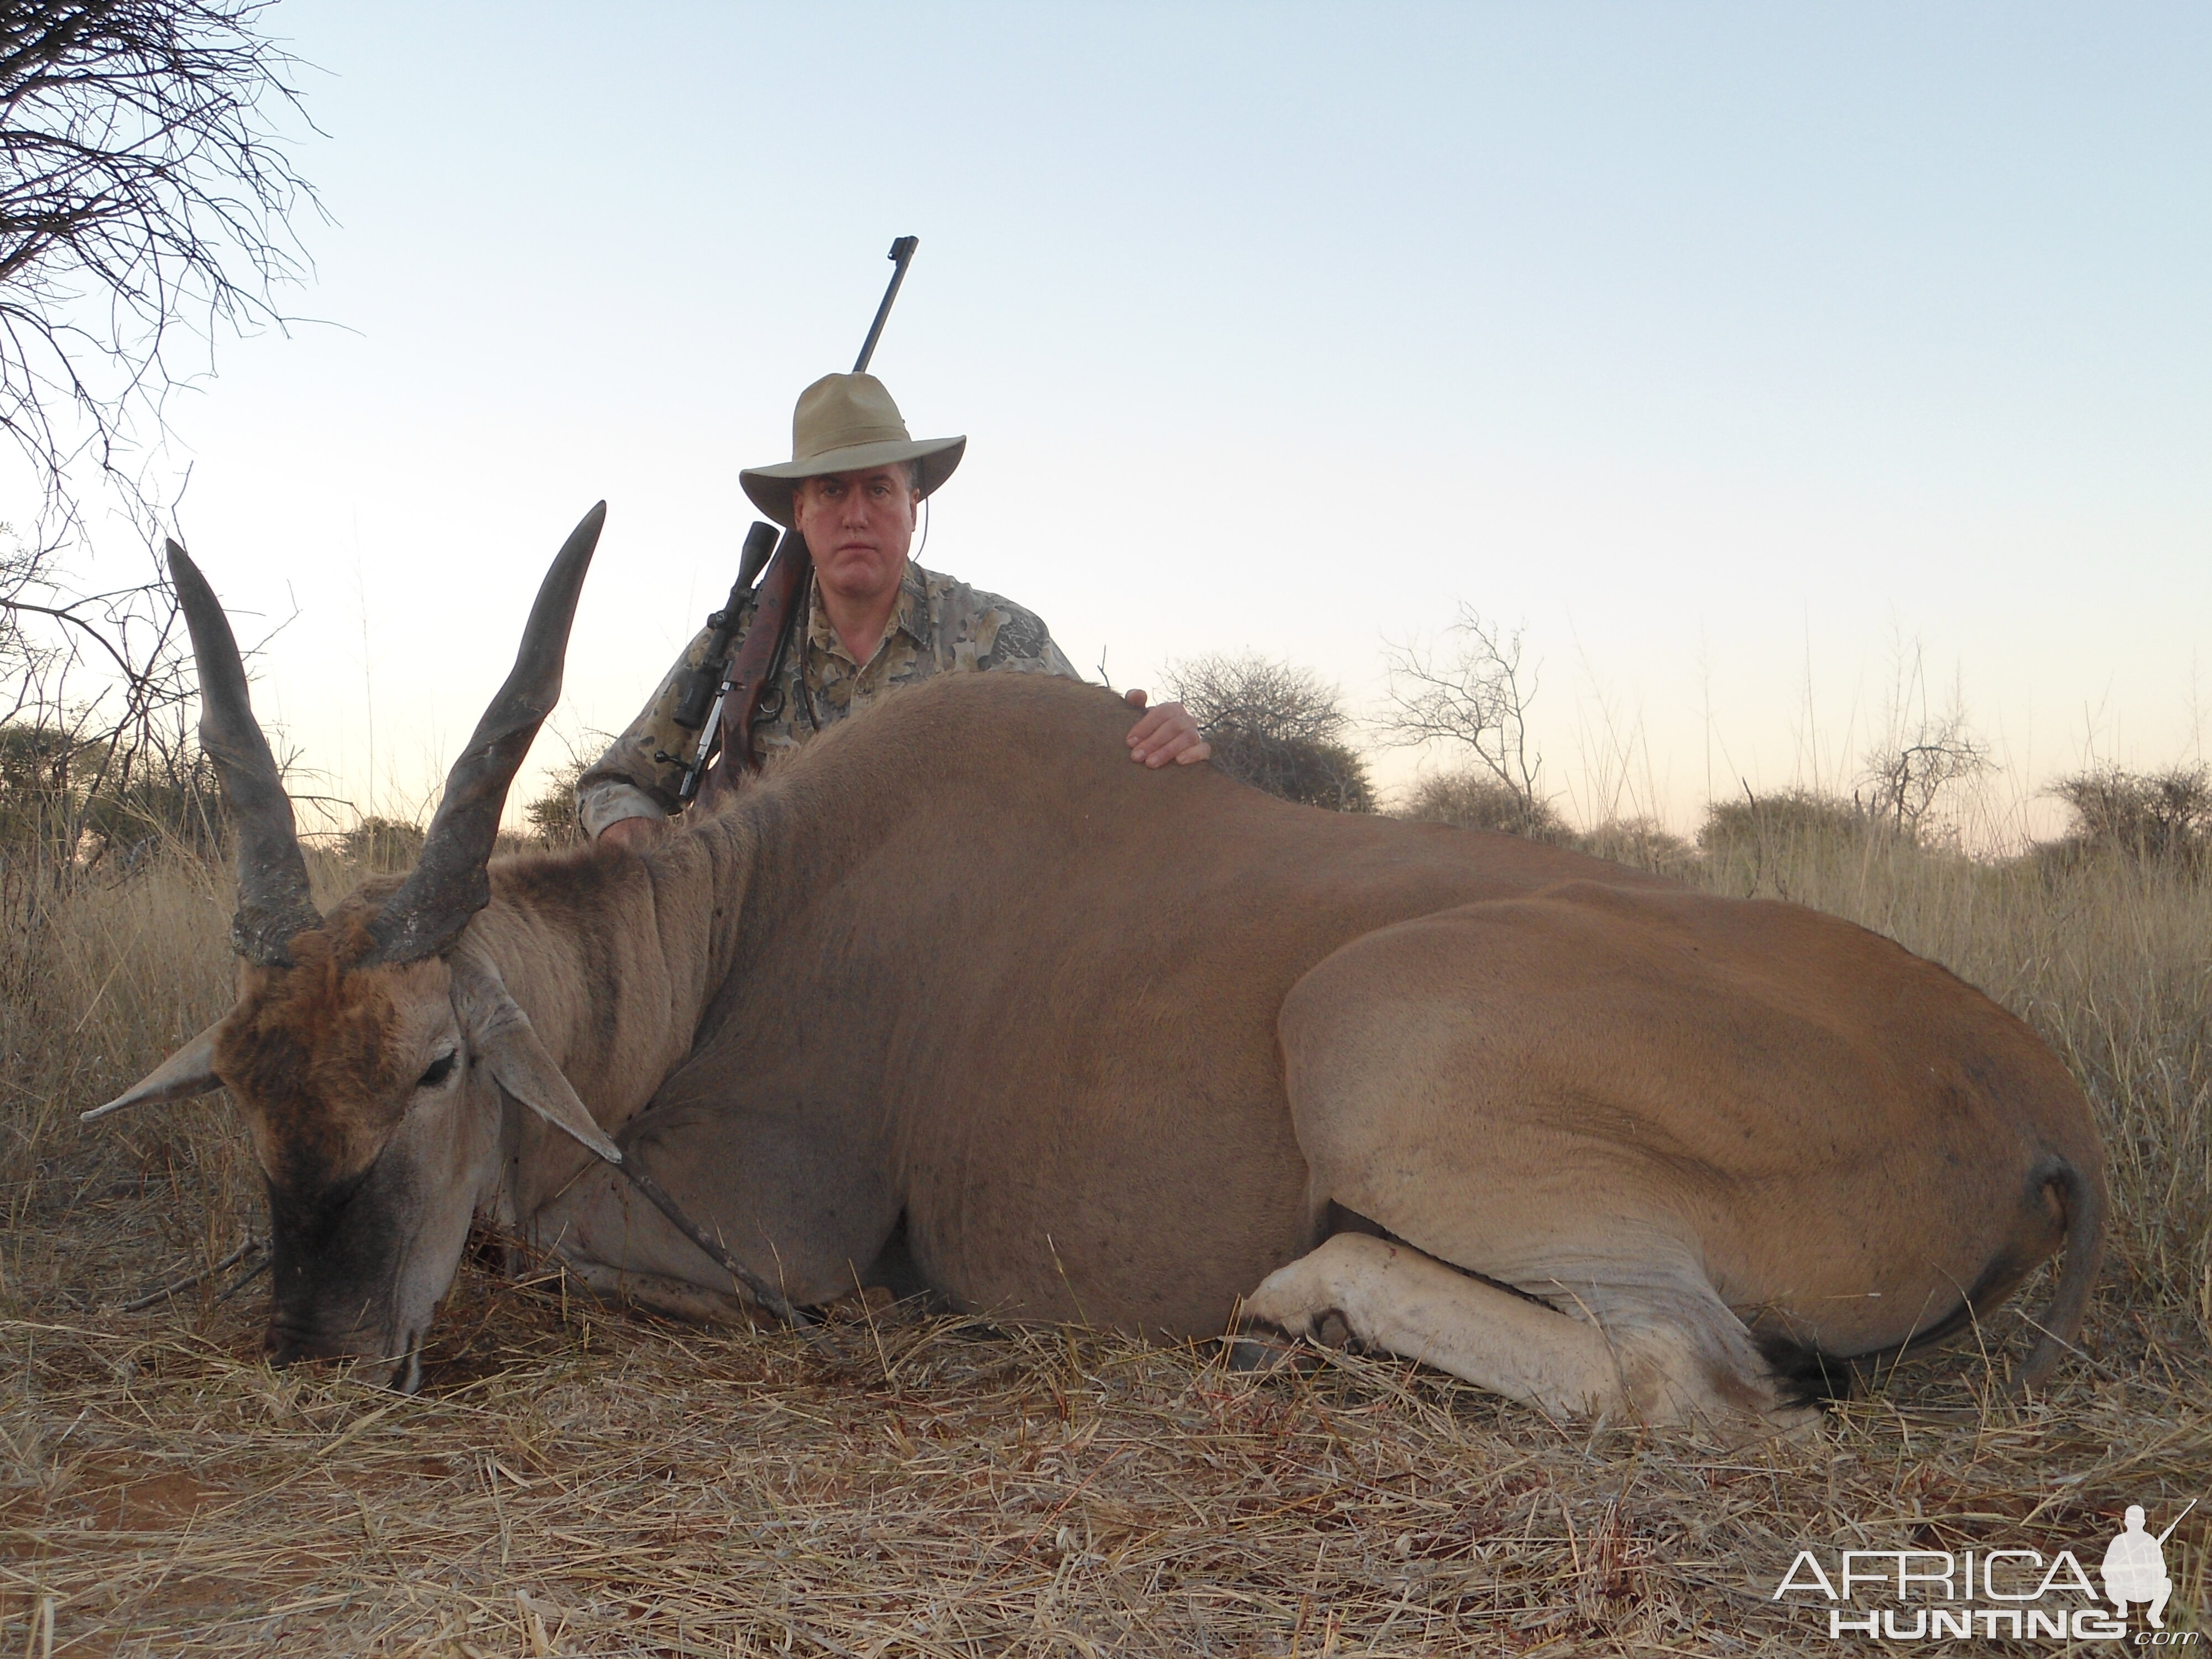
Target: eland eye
[438,1070]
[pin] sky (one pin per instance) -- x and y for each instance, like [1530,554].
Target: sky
[1745,357]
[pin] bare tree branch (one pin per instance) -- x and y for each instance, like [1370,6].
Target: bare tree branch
[142,187]
[145,200]
[1471,693]
[1926,756]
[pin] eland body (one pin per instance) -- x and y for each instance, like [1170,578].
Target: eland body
[1578,1134]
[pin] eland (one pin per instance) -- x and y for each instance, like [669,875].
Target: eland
[1579,1135]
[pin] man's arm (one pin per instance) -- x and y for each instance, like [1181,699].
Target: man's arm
[631,783]
[1020,643]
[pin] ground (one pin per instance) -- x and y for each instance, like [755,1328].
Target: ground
[576,1481]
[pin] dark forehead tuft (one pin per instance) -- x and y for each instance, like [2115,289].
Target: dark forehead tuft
[321,1054]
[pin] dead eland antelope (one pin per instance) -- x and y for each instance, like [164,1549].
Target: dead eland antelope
[932,1006]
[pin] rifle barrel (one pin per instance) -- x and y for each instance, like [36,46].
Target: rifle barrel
[2178,1520]
[901,255]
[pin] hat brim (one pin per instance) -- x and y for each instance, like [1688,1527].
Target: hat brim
[770,487]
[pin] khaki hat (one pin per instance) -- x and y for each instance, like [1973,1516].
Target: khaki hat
[846,423]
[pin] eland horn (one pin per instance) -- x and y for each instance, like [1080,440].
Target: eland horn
[449,883]
[273,905]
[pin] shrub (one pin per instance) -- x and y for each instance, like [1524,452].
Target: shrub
[1642,843]
[551,814]
[37,799]
[1795,820]
[2151,817]
[1276,727]
[1476,800]
[383,844]
[70,800]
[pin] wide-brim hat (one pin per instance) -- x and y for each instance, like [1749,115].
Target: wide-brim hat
[846,423]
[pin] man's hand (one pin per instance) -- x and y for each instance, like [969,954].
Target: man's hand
[1166,733]
[636,834]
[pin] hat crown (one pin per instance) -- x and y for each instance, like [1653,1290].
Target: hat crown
[848,423]
[844,411]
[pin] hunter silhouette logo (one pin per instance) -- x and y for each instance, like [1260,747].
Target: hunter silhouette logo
[2135,1566]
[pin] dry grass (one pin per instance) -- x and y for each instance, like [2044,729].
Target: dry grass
[574,1482]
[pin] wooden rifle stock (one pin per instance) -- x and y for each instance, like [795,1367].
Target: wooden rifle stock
[776,603]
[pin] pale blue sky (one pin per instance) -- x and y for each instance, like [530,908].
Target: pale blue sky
[1726,347]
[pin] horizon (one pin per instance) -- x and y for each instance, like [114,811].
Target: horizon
[1746,359]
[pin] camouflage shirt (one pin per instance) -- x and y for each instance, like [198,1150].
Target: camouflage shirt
[939,626]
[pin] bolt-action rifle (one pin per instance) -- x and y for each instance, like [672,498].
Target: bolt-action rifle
[706,688]
[721,706]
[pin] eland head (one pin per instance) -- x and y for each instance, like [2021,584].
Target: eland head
[371,1051]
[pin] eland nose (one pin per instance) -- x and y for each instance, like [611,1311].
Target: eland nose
[376,1360]
[288,1345]
[289,1342]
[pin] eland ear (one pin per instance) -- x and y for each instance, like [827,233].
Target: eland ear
[502,1036]
[189,1071]
[525,1071]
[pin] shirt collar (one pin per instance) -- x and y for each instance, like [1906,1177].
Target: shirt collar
[910,614]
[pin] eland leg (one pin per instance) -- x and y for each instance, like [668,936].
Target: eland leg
[1522,1103]
[1653,1353]
[1394,1297]
[777,1180]
[621,1251]
[680,1299]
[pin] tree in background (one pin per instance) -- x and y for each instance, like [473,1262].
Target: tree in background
[1793,821]
[145,198]
[1475,799]
[1906,781]
[551,814]
[1276,727]
[1928,755]
[1642,843]
[2152,817]
[1470,694]
[383,844]
[143,187]
[101,691]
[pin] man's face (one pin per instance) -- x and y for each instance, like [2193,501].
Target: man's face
[858,525]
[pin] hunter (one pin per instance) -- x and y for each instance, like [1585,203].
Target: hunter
[874,621]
